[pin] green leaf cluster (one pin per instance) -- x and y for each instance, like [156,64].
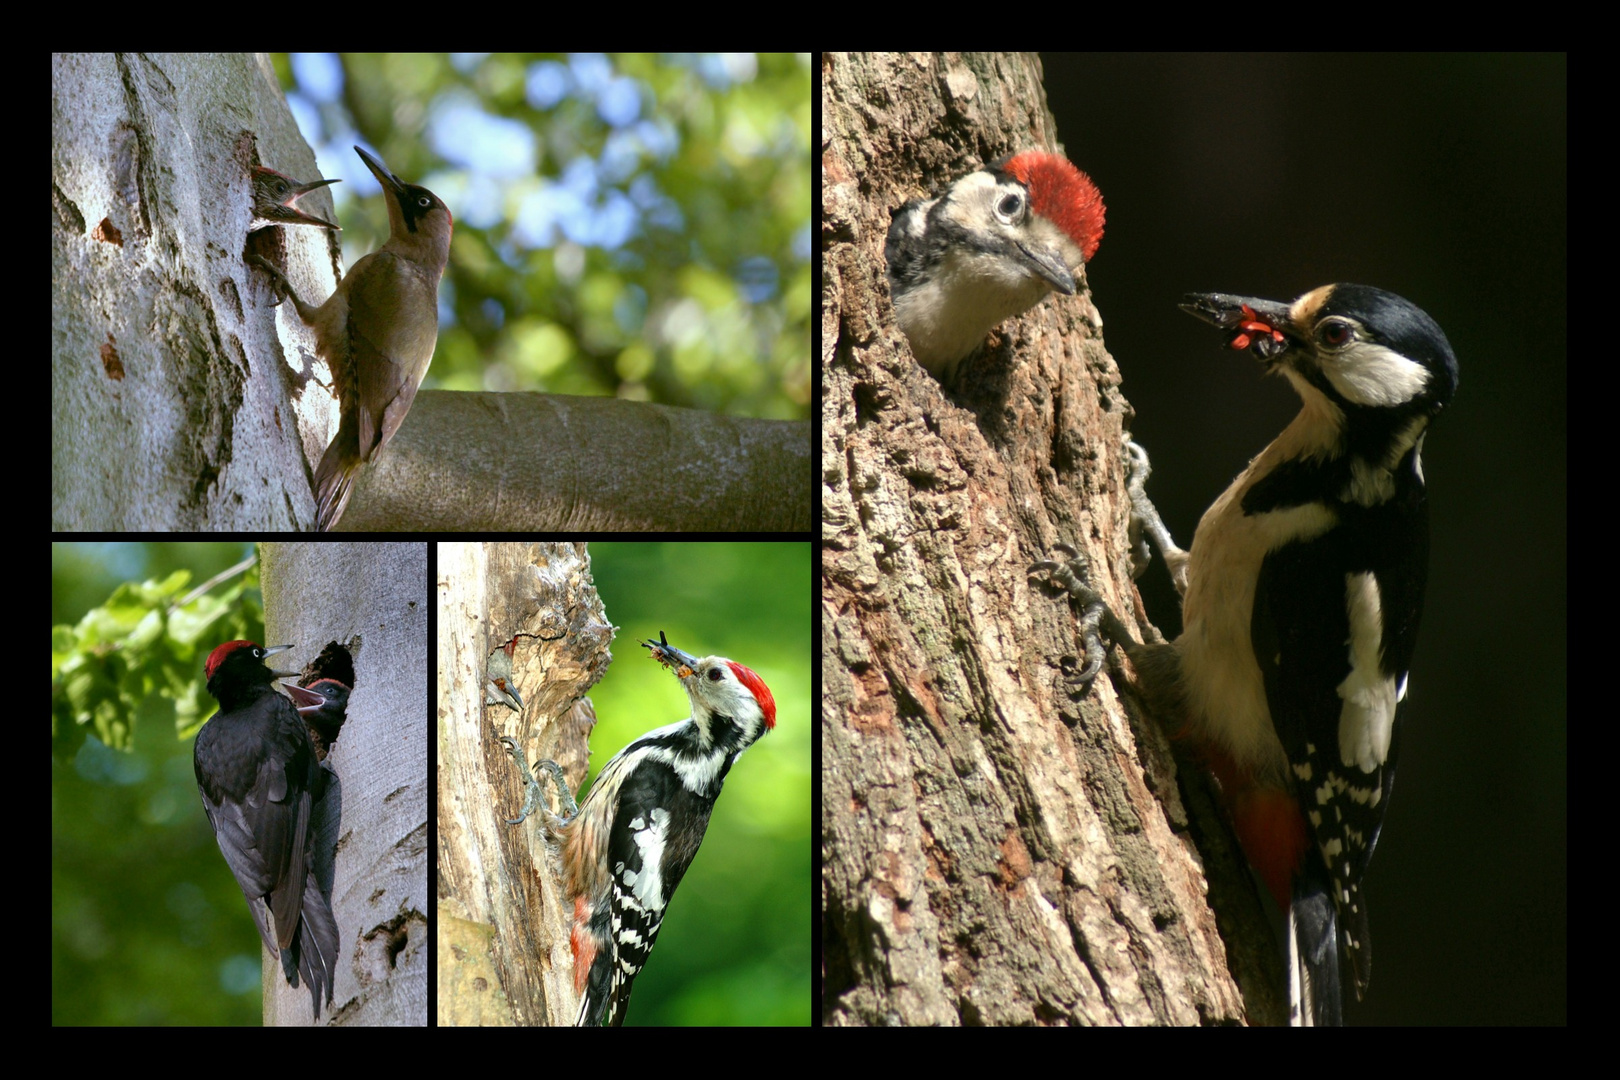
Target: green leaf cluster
[143,642]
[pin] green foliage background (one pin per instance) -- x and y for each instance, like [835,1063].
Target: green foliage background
[735,946]
[149,927]
[147,924]
[715,173]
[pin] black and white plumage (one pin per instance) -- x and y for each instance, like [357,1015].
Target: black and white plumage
[628,845]
[1305,589]
[1302,594]
[991,246]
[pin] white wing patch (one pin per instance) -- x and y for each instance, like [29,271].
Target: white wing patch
[1367,717]
[647,885]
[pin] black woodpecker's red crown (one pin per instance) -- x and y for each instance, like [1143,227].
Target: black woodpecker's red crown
[236,672]
[1062,194]
[241,654]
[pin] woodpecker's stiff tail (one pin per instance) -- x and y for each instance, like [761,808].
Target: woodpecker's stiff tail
[334,476]
[1315,991]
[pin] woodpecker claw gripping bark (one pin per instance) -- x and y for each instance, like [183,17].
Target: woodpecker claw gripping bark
[626,847]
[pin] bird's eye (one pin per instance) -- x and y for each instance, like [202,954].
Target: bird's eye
[715,674]
[1010,207]
[1335,333]
[425,203]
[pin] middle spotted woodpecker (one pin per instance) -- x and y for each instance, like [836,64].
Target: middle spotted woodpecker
[626,848]
[1301,599]
[990,247]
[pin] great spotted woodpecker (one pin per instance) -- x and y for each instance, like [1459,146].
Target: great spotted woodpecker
[626,848]
[991,246]
[1301,599]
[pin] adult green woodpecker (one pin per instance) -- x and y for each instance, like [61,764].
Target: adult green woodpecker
[377,332]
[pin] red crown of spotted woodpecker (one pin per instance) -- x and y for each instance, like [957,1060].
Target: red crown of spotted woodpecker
[1062,194]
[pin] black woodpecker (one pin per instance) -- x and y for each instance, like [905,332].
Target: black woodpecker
[258,777]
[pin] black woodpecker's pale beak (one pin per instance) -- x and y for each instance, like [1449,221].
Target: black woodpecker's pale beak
[280,674]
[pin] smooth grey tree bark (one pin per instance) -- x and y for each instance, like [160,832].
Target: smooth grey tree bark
[372,599]
[173,405]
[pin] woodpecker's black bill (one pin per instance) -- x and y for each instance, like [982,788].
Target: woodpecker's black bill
[677,661]
[1260,325]
[385,176]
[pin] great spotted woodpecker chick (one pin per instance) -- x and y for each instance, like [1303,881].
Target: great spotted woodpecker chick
[1301,599]
[991,246]
[626,848]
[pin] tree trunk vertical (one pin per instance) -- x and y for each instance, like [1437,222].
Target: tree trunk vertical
[372,599]
[504,956]
[997,847]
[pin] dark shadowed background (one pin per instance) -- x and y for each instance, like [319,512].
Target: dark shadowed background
[1443,179]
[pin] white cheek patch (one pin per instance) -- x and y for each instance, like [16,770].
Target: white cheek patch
[1367,716]
[1370,374]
